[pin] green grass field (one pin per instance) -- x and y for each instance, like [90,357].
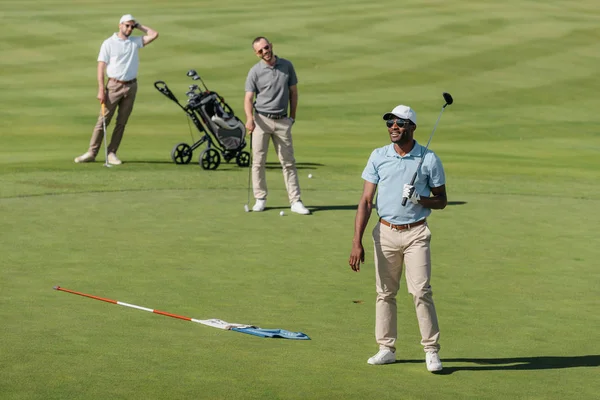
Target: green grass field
[515,254]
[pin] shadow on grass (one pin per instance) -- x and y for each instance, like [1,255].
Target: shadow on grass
[152,162]
[316,209]
[269,165]
[299,165]
[515,363]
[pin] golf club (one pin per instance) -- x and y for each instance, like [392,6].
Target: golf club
[449,100]
[247,205]
[194,75]
[106,164]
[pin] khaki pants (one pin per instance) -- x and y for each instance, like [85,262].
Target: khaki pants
[280,130]
[392,249]
[118,95]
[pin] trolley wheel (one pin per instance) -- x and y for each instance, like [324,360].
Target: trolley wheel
[209,159]
[243,159]
[181,153]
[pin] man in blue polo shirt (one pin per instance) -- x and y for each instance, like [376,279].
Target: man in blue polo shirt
[402,235]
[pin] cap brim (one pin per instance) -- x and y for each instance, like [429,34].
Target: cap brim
[387,116]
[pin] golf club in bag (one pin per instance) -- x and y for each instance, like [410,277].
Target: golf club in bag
[449,100]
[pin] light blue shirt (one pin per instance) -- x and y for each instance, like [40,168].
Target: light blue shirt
[390,171]
[121,56]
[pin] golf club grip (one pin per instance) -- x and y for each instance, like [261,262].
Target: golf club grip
[412,182]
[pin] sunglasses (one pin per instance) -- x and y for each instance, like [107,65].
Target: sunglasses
[266,48]
[129,26]
[402,123]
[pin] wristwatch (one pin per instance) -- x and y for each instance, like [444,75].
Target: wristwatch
[292,119]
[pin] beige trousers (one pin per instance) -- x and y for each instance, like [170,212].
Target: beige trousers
[117,95]
[280,130]
[394,248]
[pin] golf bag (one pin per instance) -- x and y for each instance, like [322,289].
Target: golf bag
[223,133]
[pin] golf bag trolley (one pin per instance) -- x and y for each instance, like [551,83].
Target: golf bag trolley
[223,133]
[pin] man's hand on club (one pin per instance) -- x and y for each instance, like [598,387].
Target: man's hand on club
[250,125]
[410,193]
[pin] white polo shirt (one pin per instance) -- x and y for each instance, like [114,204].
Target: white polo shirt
[121,56]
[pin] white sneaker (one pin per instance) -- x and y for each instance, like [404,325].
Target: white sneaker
[113,160]
[384,356]
[86,157]
[433,361]
[299,208]
[259,205]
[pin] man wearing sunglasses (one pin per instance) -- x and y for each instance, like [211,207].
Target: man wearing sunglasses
[118,59]
[270,89]
[402,236]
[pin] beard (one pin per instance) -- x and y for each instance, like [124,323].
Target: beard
[402,139]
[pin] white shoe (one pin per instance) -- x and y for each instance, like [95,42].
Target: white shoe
[299,208]
[113,160]
[384,356]
[259,205]
[433,361]
[86,157]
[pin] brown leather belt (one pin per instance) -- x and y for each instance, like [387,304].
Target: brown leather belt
[402,227]
[272,116]
[123,82]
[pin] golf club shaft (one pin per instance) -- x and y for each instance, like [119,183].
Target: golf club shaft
[414,178]
[249,170]
[103,109]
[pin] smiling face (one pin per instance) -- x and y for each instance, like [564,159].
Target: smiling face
[264,50]
[400,130]
[126,28]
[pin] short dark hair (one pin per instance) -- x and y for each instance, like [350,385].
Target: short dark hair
[258,39]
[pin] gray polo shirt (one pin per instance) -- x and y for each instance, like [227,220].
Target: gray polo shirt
[271,85]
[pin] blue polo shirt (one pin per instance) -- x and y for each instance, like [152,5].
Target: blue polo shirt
[390,171]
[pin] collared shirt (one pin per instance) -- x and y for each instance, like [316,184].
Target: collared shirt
[390,171]
[271,85]
[121,56]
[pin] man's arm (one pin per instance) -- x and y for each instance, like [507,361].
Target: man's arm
[150,34]
[363,212]
[100,76]
[437,201]
[248,109]
[293,101]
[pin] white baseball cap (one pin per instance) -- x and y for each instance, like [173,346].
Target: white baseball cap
[404,112]
[127,17]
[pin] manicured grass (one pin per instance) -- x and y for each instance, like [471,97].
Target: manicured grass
[515,259]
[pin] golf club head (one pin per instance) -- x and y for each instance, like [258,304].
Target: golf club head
[246,209]
[193,74]
[107,165]
[448,98]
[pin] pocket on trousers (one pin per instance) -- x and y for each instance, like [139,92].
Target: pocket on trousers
[427,232]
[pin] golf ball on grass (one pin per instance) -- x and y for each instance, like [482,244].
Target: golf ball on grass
[309,176]
[281,213]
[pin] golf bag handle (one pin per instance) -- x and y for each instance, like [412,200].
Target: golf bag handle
[162,87]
